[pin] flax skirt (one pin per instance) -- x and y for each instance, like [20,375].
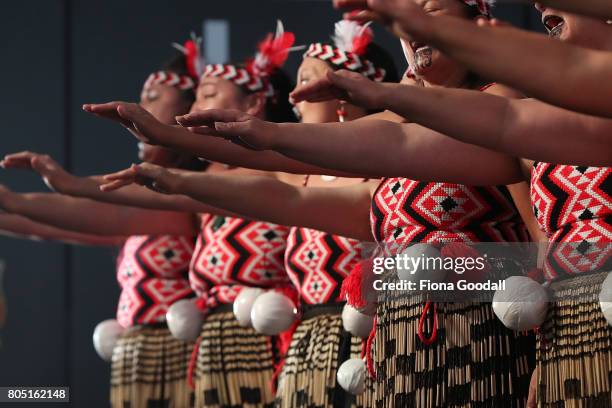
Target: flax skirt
[235,365]
[149,370]
[575,347]
[474,362]
[308,379]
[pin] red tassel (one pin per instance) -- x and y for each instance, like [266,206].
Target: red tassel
[369,359]
[537,275]
[428,341]
[192,363]
[352,289]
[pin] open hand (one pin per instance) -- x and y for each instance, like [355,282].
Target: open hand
[134,118]
[233,125]
[154,177]
[54,175]
[345,85]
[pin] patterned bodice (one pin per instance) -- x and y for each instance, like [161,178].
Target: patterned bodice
[232,253]
[153,274]
[573,205]
[318,262]
[405,211]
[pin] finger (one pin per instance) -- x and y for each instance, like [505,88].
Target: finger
[121,175]
[205,131]
[365,16]
[209,117]
[149,170]
[303,92]
[115,185]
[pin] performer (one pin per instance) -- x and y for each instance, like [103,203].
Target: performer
[250,131]
[317,261]
[235,365]
[481,49]
[148,363]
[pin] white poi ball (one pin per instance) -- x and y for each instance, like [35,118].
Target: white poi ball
[605,298]
[244,303]
[356,323]
[272,313]
[522,305]
[428,260]
[351,376]
[105,338]
[184,320]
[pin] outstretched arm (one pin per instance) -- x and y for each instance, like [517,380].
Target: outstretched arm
[17,226]
[519,127]
[377,148]
[59,180]
[343,211]
[481,48]
[190,140]
[91,217]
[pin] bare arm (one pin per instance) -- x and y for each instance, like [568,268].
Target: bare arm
[66,183]
[91,217]
[145,127]
[377,148]
[13,225]
[481,48]
[343,210]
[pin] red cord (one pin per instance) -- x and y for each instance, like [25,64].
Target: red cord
[434,331]
[369,359]
[192,362]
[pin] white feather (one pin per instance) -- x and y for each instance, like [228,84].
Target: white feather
[345,33]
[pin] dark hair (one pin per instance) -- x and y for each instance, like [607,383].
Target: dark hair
[278,107]
[178,65]
[378,56]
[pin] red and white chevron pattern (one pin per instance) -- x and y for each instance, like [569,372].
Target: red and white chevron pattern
[406,211]
[318,262]
[182,82]
[239,76]
[573,205]
[232,253]
[345,60]
[152,273]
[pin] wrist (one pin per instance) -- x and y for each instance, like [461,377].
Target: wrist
[276,132]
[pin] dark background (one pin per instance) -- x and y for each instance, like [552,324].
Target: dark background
[57,55]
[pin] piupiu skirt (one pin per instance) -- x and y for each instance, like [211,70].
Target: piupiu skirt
[575,347]
[474,361]
[319,346]
[149,370]
[235,365]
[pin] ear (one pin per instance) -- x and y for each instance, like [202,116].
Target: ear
[255,104]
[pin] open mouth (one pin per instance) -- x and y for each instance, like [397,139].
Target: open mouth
[554,24]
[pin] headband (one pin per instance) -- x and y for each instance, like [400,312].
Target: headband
[483,6]
[350,43]
[254,75]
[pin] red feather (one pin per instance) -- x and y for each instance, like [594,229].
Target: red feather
[192,55]
[361,42]
[273,52]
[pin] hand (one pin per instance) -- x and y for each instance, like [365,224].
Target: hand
[236,126]
[54,176]
[345,85]
[7,199]
[135,119]
[403,17]
[154,177]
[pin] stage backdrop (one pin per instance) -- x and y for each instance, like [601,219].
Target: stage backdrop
[58,55]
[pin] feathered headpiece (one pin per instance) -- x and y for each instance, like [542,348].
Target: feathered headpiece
[194,61]
[254,76]
[350,43]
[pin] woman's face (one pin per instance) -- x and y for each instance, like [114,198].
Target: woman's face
[318,112]
[426,61]
[164,103]
[575,29]
[218,93]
